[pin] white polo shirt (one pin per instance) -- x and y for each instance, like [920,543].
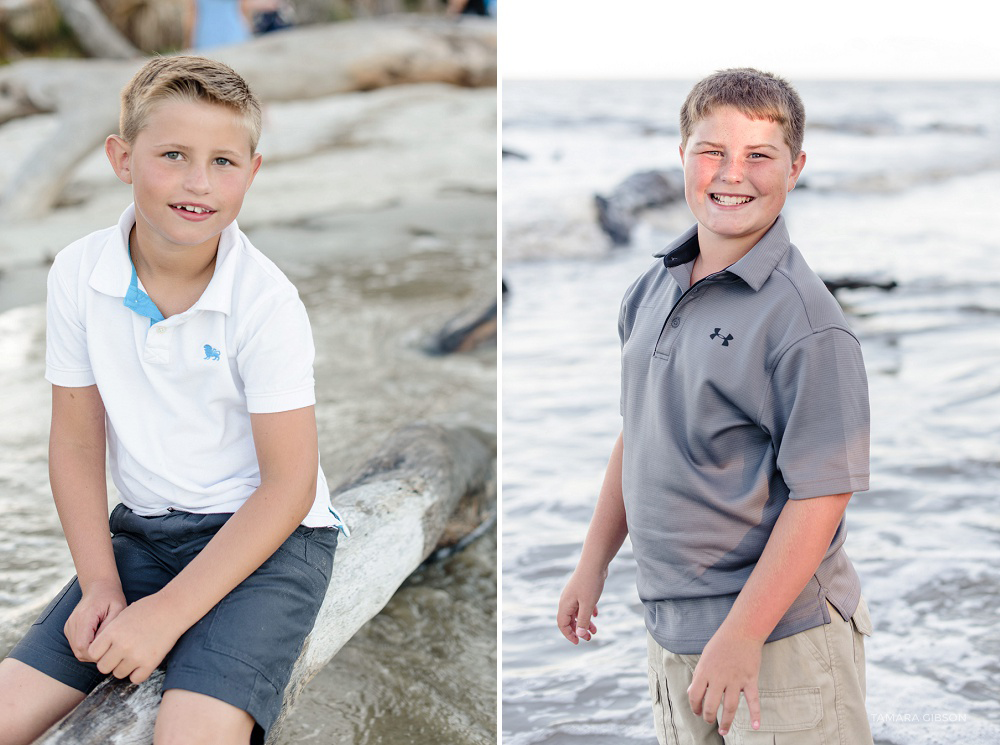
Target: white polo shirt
[179,392]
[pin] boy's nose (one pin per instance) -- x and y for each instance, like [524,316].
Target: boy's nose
[731,170]
[196,180]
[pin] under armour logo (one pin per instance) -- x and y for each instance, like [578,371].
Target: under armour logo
[725,339]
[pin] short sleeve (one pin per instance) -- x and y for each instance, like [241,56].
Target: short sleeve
[67,359]
[625,321]
[816,410]
[621,339]
[275,356]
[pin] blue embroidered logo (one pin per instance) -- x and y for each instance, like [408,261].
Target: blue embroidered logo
[210,353]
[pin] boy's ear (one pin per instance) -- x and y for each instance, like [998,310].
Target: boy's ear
[797,165]
[680,149]
[254,167]
[119,154]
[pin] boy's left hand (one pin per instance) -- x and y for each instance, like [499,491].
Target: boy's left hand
[136,641]
[729,664]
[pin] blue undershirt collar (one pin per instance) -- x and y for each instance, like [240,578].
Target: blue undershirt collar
[139,301]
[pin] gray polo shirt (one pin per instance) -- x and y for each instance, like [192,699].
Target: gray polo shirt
[738,394]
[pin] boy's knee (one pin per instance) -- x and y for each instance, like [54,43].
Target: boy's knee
[187,718]
[30,702]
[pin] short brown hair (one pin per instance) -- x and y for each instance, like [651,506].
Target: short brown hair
[758,95]
[187,78]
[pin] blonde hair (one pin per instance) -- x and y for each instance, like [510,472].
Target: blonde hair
[758,95]
[187,78]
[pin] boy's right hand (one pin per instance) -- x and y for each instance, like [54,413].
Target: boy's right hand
[101,602]
[578,604]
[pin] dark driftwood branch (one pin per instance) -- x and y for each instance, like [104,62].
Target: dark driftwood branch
[303,63]
[396,507]
[475,325]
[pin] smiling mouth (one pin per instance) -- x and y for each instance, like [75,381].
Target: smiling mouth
[730,200]
[193,209]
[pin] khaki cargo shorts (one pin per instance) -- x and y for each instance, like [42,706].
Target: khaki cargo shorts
[811,684]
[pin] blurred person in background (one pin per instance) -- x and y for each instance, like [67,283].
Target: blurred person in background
[216,23]
[269,15]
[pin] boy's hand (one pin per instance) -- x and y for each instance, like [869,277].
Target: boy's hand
[100,604]
[136,641]
[578,603]
[730,664]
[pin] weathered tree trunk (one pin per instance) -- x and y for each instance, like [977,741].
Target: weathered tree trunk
[396,508]
[96,34]
[296,64]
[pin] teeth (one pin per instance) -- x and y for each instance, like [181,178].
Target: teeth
[730,200]
[196,210]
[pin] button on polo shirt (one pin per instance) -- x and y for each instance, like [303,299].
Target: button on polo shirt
[738,394]
[179,391]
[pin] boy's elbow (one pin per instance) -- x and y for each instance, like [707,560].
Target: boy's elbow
[295,491]
[305,493]
[309,495]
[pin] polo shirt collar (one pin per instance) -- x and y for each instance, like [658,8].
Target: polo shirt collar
[754,268]
[112,274]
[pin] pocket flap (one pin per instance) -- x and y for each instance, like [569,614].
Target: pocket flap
[654,686]
[862,619]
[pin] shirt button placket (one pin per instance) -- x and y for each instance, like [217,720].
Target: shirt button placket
[158,346]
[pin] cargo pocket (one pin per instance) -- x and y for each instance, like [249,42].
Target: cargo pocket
[787,717]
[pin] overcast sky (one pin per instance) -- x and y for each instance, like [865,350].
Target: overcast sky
[799,39]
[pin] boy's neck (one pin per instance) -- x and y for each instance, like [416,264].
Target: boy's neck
[179,265]
[716,253]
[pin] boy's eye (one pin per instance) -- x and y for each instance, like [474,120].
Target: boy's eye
[223,162]
[757,155]
[172,155]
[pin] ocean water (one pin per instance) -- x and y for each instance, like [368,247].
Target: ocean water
[895,187]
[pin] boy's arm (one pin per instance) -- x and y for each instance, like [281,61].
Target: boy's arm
[143,634]
[605,536]
[79,487]
[730,662]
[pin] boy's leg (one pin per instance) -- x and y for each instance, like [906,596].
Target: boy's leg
[241,653]
[669,677]
[187,718]
[42,664]
[31,702]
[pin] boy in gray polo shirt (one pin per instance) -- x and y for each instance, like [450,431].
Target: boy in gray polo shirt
[745,433]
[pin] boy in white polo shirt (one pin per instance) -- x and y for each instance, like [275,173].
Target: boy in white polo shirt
[181,353]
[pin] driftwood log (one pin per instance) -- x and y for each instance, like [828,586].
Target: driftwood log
[396,507]
[297,64]
[93,31]
[618,212]
[835,284]
[475,325]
